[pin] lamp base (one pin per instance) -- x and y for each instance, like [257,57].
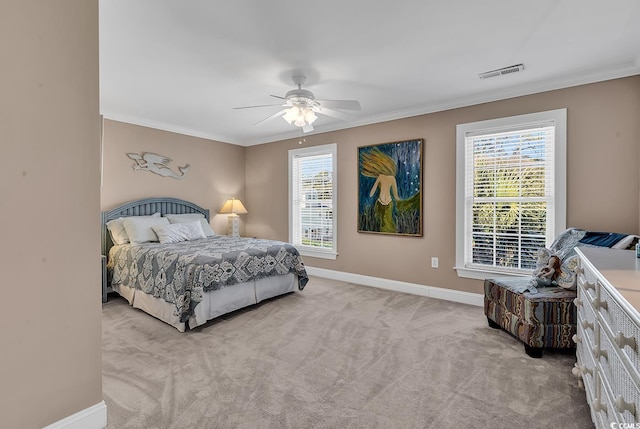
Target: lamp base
[234,225]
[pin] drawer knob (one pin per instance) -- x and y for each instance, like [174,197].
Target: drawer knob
[597,304]
[576,338]
[598,405]
[622,406]
[586,370]
[588,286]
[587,325]
[598,353]
[623,341]
[577,302]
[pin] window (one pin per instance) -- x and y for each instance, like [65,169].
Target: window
[510,192]
[312,200]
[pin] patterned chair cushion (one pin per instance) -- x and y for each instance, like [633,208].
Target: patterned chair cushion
[546,318]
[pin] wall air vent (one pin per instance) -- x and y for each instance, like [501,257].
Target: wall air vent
[502,71]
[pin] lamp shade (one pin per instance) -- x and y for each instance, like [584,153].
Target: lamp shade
[233,206]
[291,114]
[299,116]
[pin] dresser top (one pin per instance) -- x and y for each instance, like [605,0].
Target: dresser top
[620,268]
[632,297]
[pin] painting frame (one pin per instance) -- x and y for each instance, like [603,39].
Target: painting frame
[390,192]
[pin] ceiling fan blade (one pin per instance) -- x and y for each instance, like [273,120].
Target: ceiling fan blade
[259,105]
[268,118]
[277,96]
[340,104]
[307,128]
[334,113]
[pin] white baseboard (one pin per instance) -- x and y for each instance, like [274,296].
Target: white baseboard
[398,286]
[94,417]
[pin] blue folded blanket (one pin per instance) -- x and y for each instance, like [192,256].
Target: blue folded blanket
[602,239]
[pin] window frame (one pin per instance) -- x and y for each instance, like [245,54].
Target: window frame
[558,223]
[327,149]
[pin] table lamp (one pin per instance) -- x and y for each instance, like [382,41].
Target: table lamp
[233,207]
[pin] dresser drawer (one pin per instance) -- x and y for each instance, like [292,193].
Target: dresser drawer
[586,362]
[621,407]
[625,332]
[602,406]
[627,392]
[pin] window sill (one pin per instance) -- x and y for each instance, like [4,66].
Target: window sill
[480,274]
[317,253]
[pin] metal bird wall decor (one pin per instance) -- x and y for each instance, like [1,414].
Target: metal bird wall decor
[157,164]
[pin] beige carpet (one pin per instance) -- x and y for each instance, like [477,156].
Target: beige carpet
[335,355]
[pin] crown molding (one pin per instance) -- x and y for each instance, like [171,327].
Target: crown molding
[624,70]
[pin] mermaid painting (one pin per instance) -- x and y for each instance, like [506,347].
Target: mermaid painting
[390,194]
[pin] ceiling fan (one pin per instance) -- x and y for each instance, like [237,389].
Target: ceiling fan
[301,106]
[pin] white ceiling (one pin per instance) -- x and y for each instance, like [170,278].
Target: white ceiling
[183,65]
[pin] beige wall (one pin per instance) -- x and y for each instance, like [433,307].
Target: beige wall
[50,363]
[216,169]
[603,179]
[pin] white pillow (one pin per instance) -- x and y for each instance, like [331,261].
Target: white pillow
[625,242]
[190,217]
[117,231]
[139,228]
[177,232]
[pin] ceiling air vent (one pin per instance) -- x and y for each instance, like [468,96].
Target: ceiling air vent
[502,71]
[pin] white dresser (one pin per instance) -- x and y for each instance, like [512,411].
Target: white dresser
[608,334]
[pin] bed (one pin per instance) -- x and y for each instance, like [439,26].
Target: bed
[194,275]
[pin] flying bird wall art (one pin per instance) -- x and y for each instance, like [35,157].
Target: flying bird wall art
[148,161]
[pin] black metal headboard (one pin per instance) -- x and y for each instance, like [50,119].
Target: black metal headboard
[146,207]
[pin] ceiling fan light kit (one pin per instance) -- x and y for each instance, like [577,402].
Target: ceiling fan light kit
[301,106]
[299,116]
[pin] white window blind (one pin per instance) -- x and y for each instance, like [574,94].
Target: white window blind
[509,196]
[513,193]
[312,200]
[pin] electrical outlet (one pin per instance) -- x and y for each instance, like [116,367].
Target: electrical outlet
[434,262]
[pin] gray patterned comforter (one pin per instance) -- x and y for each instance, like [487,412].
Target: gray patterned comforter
[179,273]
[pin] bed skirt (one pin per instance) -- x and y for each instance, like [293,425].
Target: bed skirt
[214,303]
